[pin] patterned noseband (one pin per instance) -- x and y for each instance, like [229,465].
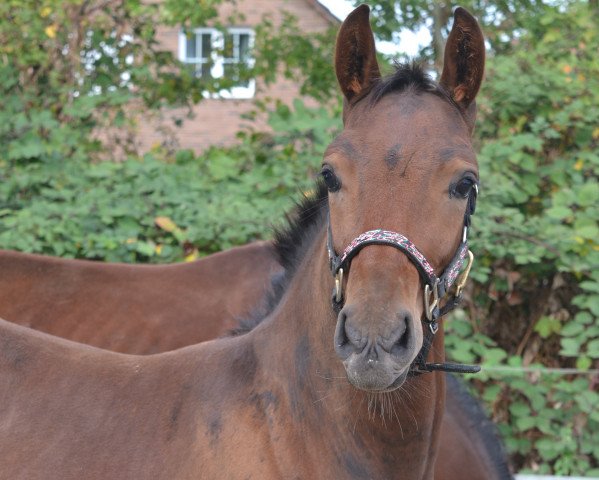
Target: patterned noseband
[436,288]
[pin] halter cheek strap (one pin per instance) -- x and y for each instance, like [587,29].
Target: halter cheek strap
[436,288]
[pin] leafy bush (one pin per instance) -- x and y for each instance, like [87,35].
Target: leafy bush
[76,82]
[536,299]
[67,69]
[147,209]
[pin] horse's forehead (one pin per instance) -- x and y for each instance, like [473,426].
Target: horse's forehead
[420,122]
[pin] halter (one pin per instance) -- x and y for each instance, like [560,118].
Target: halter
[436,288]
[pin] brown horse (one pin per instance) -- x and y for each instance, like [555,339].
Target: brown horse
[139,309]
[148,309]
[143,309]
[68,409]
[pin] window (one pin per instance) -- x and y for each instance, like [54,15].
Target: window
[213,54]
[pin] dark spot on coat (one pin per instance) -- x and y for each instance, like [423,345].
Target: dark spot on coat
[393,156]
[265,403]
[389,460]
[215,427]
[447,154]
[360,443]
[410,105]
[302,358]
[459,151]
[296,385]
[14,354]
[244,364]
[354,467]
[176,410]
[175,413]
[295,401]
[264,400]
[343,146]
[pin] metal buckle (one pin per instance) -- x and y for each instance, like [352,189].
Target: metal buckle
[339,286]
[463,277]
[433,326]
[429,306]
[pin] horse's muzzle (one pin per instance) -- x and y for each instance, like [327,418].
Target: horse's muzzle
[375,362]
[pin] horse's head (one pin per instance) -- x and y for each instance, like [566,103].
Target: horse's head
[403,164]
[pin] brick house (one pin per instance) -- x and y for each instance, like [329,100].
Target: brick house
[216,120]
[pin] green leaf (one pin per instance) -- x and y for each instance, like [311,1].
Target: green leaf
[588,194]
[572,329]
[570,347]
[547,326]
[593,348]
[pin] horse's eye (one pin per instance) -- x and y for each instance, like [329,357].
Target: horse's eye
[463,188]
[330,179]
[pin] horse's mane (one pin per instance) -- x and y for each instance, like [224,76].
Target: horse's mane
[291,243]
[292,240]
[483,425]
[405,76]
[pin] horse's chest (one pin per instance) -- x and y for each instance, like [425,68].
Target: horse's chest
[323,453]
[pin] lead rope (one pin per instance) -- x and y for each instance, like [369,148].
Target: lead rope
[436,288]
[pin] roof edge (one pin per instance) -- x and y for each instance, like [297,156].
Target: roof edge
[324,11]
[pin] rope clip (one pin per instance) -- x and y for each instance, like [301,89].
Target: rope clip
[464,275]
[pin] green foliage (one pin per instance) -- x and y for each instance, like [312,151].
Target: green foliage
[548,420]
[69,69]
[304,58]
[188,13]
[535,234]
[540,114]
[503,21]
[74,75]
[147,209]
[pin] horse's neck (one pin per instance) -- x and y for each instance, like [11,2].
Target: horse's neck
[296,347]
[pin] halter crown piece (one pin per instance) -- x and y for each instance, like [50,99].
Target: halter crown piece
[436,288]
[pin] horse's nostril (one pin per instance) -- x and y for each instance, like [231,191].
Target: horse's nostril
[399,342]
[354,337]
[350,340]
[341,340]
[347,339]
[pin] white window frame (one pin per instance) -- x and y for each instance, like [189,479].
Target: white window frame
[218,61]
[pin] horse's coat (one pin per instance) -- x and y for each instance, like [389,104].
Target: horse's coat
[273,403]
[139,309]
[39,291]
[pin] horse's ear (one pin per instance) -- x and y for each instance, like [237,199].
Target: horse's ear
[464,62]
[355,54]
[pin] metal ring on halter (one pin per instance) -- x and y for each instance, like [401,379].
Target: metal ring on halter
[339,286]
[429,307]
